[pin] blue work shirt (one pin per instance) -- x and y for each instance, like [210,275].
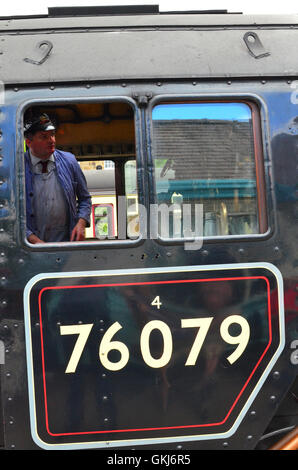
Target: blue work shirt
[73,183]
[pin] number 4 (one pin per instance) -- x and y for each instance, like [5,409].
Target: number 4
[156,302]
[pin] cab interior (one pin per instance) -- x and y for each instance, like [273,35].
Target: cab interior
[102,138]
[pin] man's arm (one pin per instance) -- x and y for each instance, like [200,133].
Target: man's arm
[83,195]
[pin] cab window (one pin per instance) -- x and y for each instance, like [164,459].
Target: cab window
[102,138]
[206,154]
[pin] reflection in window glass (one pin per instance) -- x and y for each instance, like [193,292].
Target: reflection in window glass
[203,153]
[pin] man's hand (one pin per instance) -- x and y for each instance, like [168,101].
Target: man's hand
[34,239]
[78,233]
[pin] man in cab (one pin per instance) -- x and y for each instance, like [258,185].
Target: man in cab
[58,203]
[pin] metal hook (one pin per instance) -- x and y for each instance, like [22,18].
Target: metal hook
[46,55]
[254,45]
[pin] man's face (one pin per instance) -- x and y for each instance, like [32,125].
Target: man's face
[42,144]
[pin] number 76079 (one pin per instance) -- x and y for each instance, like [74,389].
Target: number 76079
[108,344]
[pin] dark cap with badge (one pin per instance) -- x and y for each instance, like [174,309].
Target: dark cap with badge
[40,123]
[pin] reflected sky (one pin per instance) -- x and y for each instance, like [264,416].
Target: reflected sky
[221,111]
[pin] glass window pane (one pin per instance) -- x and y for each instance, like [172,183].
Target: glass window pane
[203,154]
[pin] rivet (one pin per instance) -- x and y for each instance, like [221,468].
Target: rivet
[8,374]
[88,85]
[229,82]
[179,446]
[16,89]
[106,420]
[249,437]
[241,251]
[194,83]
[253,413]
[263,82]
[276,375]
[205,253]
[21,261]
[123,85]
[273,398]
[276,248]
[104,397]
[52,87]
[225,444]
[158,84]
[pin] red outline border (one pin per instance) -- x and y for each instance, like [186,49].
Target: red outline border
[150,283]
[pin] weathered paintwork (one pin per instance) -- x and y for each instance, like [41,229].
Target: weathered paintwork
[206,58]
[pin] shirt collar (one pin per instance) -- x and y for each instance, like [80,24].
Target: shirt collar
[35,160]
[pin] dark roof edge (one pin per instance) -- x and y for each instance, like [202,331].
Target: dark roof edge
[103,10]
[113,10]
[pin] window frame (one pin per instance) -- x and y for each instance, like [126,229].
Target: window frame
[258,115]
[62,246]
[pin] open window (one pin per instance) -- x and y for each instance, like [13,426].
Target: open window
[209,154]
[102,138]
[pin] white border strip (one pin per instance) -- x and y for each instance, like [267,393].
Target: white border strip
[126,272]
